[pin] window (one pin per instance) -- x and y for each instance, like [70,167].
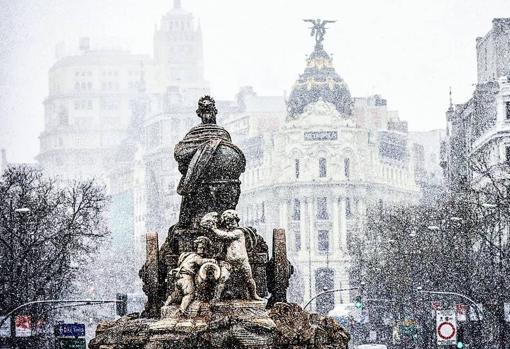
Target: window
[296,210]
[297,240]
[323,242]
[322,167]
[296,167]
[347,168]
[507,104]
[263,214]
[63,118]
[322,208]
[348,208]
[507,153]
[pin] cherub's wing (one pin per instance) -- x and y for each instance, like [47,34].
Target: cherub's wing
[309,20]
[328,21]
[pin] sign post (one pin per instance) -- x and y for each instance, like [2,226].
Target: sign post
[5,328]
[461,311]
[507,311]
[23,325]
[68,336]
[446,327]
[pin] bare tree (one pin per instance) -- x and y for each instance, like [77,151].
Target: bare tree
[48,229]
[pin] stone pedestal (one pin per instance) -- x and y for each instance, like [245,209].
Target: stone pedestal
[234,324]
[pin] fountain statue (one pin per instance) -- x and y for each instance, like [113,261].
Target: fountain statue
[207,285]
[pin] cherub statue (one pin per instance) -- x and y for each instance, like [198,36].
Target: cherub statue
[236,257]
[190,263]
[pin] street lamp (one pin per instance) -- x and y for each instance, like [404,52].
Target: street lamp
[433,227]
[22,210]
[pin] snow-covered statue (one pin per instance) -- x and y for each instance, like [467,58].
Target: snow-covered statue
[194,269]
[207,286]
[210,165]
[226,229]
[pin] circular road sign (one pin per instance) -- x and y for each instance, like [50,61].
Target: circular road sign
[446,330]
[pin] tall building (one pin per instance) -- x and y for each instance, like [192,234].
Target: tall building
[493,52]
[88,110]
[108,109]
[479,129]
[315,168]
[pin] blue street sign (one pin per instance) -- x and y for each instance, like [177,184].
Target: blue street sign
[70,330]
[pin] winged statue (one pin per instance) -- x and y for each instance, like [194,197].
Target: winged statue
[318,28]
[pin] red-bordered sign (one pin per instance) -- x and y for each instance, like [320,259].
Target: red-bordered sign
[446,330]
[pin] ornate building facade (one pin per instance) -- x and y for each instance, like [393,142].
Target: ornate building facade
[316,168]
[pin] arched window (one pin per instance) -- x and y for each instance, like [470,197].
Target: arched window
[347,168]
[296,210]
[322,208]
[323,241]
[296,168]
[322,167]
[297,240]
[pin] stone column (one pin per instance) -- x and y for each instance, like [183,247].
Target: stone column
[311,226]
[302,225]
[336,227]
[343,225]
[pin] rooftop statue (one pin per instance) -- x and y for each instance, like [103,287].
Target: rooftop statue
[318,29]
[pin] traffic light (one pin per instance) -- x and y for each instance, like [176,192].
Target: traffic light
[121,304]
[358,302]
[460,338]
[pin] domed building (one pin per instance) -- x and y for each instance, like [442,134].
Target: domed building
[319,81]
[316,172]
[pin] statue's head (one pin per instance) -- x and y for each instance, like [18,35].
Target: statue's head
[230,219]
[202,245]
[210,220]
[207,110]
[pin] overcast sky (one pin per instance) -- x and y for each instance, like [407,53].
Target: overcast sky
[408,51]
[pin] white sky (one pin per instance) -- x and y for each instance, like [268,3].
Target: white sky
[408,51]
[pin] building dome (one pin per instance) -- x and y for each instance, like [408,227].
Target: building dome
[319,81]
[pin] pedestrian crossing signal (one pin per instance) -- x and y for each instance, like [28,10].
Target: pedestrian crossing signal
[358,302]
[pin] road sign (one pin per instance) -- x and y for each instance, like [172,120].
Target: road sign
[69,330]
[446,327]
[5,329]
[23,326]
[436,305]
[461,311]
[72,343]
[507,311]
[475,312]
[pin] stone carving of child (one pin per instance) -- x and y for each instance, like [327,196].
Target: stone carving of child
[236,258]
[189,265]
